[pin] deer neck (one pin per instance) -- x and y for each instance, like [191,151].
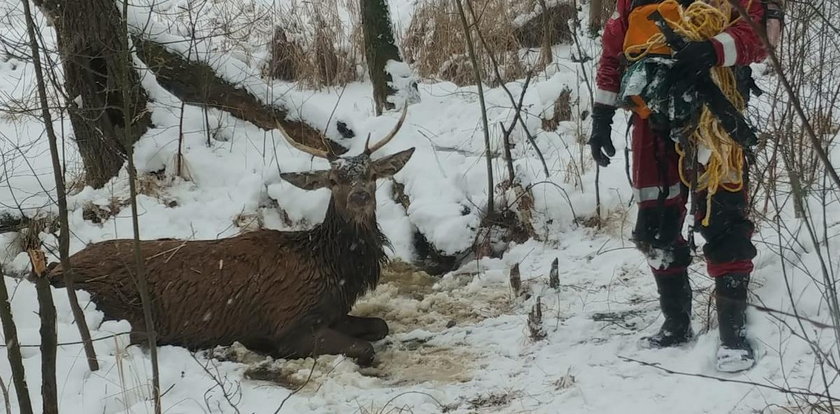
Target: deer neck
[354,251]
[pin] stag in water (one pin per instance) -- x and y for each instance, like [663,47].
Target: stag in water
[285,293]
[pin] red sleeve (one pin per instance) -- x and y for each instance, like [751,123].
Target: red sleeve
[739,44]
[608,79]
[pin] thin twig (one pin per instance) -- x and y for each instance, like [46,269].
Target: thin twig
[507,131]
[518,111]
[789,391]
[816,324]
[297,390]
[562,190]
[382,410]
[142,283]
[13,351]
[582,59]
[220,383]
[81,342]
[508,157]
[485,124]
[797,105]
[6,396]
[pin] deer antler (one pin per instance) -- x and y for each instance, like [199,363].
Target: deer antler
[307,149]
[383,141]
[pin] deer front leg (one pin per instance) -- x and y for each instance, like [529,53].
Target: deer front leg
[328,341]
[369,329]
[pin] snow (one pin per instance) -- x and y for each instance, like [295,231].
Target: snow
[459,343]
[403,82]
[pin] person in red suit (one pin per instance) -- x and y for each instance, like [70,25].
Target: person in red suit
[662,196]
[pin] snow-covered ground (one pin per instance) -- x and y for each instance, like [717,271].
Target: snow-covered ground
[459,343]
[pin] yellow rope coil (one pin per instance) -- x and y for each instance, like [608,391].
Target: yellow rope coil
[702,21]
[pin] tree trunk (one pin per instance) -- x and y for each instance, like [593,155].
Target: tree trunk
[88,42]
[596,11]
[49,343]
[379,49]
[546,55]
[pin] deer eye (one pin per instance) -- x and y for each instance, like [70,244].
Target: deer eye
[333,181]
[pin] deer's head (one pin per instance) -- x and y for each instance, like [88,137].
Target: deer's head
[351,179]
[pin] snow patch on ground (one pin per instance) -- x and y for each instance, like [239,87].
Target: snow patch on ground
[459,343]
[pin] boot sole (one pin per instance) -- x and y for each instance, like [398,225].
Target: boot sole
[732,367]
[645,343]
[740,365]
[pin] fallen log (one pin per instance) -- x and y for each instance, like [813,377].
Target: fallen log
[196,83]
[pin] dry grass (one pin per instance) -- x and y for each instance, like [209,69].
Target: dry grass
[434,41]
[25,105]
[317,44]
[320,43]
[75,179]
[493,400]
[248,222]
[15,109]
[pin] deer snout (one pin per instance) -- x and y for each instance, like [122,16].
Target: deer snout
[359,198]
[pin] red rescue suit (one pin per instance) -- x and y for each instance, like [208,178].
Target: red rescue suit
[660,194]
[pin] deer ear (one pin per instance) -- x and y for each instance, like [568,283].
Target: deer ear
[308,180]
[392,164]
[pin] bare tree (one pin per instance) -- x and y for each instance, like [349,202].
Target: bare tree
[485,125]
[123,70]
[546,55]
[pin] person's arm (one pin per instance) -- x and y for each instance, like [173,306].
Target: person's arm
[608,83]
[608,78]
[739,44]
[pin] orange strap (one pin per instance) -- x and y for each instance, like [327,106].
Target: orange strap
[642,32]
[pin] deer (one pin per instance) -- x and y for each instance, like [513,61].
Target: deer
[287,294]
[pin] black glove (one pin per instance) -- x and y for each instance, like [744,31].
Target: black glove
[694,58]
[601,141]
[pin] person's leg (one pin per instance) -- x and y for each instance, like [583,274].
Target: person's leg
[729,253]
[661,200]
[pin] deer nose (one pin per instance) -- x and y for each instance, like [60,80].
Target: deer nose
[359,198]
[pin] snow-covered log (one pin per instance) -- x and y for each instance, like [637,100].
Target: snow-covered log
[196,83]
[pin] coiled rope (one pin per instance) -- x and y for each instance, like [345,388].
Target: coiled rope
[724,168]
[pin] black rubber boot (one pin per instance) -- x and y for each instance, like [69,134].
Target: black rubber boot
[675,302]
[735,353]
